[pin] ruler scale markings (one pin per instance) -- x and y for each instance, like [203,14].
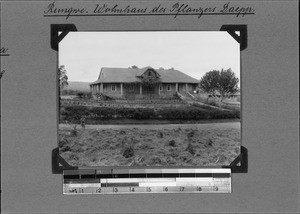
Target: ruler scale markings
[88,176]
[121,184]
[157,184]
[221,175]
[121,180]
[82,185]
[203,175]
[157,180]
[138,175]
[81,180]
[169,170]
[187,175]
[216,170]
[155,175]
[103,175]
[187,171]
[72,176]
[124,181]
[121,176]
[170,175]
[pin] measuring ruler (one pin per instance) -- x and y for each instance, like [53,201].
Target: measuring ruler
[120,181]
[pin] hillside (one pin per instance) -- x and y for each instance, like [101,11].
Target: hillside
[78,86]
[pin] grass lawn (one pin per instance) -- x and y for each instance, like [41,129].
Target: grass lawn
[156,145]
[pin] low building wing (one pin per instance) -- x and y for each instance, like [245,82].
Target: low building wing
[175,76]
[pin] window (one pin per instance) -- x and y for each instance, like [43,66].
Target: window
[113,87]
[149,73]
[169,87]
[160,88]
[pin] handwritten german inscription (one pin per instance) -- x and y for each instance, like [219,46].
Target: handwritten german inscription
[54,10]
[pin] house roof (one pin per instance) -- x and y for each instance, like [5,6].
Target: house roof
[128,75]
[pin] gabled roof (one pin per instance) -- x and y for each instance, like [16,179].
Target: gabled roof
[129,75]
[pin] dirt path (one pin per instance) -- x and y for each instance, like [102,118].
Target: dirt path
[204,126]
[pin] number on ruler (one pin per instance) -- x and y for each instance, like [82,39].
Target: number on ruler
[98,190]
[73,190]
[215,188]
[115,189]
[80,190]
[199,189]
[181,189]
[148,189]
[131,189]
[165,189]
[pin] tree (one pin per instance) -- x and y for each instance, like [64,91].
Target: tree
[80,94]
[150,81]
[225,82]
[62,77]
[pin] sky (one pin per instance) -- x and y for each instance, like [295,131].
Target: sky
[192,52]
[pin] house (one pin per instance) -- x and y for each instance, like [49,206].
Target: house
[137,83]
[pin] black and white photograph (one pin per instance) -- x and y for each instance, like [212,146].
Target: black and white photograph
[149,106]
[149,98]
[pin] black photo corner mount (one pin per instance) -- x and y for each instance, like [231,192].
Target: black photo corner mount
[59,164]
[64,29]
[242,38]
[238,165]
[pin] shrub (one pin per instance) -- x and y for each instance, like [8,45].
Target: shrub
[160,134]
[122,132]
[143,113]
[126,112]
[218,114]
[74,113]
[185,155]
[155,160]
[198,154]
[172,143]
[80,94]
[74,131]
[191,134]
[103,112]
[170,160]
[138,161]
[188,113]
[128,152]
[190,149]
[210,142]
[174,153]
[236,114]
